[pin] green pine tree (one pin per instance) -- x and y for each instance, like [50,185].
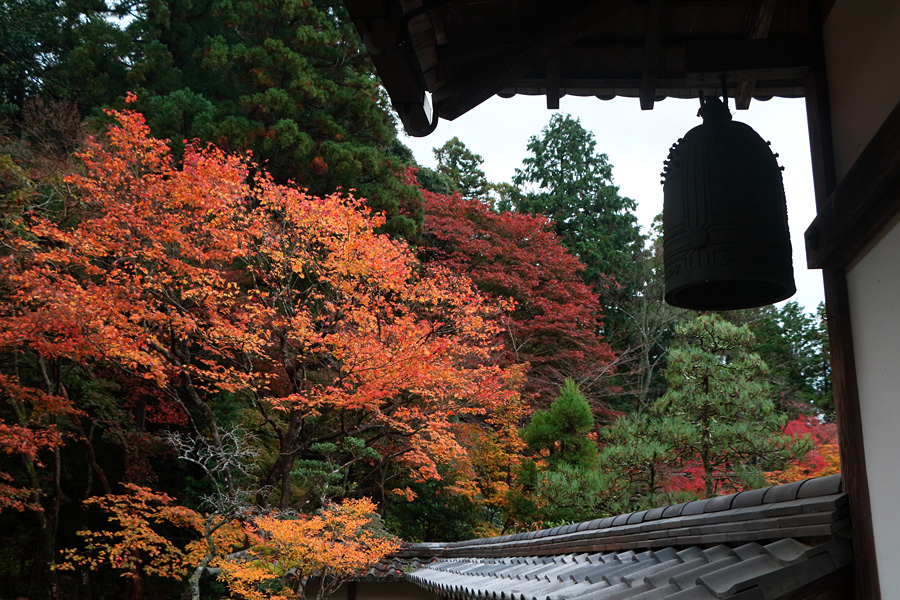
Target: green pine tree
[718,406]
[563,430]
[570,487]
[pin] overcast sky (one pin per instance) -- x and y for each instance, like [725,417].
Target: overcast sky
[637,142]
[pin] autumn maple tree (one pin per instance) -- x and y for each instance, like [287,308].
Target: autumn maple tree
[131,544]
[555,326]
[291,554]
[206,291]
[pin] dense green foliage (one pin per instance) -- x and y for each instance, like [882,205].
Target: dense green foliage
[716,423]
[463,167]
[64,49]
[721,407]
[562,483]
[284,79]
[794,345]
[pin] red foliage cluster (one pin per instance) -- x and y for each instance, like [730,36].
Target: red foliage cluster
[824,457]
[556,324]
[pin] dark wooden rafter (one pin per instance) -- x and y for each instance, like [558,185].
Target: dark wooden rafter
[760,23]
[487,46]
[866,198]
[553,93]
[748,58]
[650,60]
[459,94]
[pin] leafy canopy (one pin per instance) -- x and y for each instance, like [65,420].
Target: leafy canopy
[718,403]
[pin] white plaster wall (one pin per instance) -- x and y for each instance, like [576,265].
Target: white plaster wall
[862,55]
[874,285]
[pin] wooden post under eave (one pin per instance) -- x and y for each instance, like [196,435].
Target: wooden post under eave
[843,365]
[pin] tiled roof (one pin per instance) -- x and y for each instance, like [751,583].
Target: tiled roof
[390,569]
[756,545]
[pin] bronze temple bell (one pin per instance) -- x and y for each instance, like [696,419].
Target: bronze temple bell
[725,234]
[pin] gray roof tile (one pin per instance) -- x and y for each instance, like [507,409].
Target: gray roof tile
[782,493]
[820,486]
[727,582]
[654,513]
[673,511]
[748,550]
[694,508]
[664,576]
[690,553]
[620,520]
[749,498]
[650,570]
[666,554]
[693,593]
[689,578]
[637,517]
[719,503]
[757,545]
[658,593]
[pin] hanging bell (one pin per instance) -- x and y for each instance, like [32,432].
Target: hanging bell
[726,243]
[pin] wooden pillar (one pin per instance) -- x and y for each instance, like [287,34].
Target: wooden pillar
[840,335]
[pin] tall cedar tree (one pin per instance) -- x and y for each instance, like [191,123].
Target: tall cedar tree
[77,50]
[463,167]
[794,344]
[646,327]
[288,80]
[567,180]
[557,318]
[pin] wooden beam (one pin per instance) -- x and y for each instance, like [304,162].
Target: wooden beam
[746,55]
[553,83]
[855,478]
[468,90]
[761,22]
[650,57]
[779,63]
[866,198]
[480,47]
